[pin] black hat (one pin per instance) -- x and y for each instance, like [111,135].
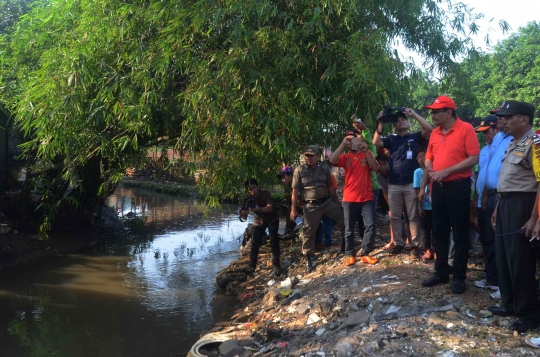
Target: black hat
[489,122]
[511,107]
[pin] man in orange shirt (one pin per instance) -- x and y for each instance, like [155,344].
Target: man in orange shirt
[453,150]
[357,194]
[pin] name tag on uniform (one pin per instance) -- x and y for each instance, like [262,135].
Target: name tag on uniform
[409,155]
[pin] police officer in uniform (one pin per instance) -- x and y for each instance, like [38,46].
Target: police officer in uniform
[517,187]
[312,183]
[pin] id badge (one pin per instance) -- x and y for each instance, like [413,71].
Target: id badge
[409,155]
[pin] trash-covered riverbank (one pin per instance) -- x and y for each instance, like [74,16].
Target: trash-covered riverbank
[364,310]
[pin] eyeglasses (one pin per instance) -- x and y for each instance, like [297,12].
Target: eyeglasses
[309,155]
[433,112]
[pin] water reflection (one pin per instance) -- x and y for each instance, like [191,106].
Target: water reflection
[148,295]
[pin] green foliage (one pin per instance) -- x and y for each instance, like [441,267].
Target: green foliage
[241,85]
[512,71]
[11,11]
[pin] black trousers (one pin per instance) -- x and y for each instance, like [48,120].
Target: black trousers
[450,202]
[489,241]
[258,234]
[427,225]
[516,258]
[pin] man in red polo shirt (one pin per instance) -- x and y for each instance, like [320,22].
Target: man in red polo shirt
[453,150]
[357,194]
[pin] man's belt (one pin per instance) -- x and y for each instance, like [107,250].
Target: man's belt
[515,194]
[491,191]
[451,183]
[317,202]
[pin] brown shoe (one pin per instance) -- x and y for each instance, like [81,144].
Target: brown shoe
[429,254]
[369,260]
[350,261]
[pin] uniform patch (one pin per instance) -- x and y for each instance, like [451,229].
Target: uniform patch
[520,149]
[527,142]
[517,153]
[364,161]
[524,138]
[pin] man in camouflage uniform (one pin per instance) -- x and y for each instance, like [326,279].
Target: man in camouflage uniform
[512,219]
[313,183]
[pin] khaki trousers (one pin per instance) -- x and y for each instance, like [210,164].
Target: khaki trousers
[312,217]
[403,198]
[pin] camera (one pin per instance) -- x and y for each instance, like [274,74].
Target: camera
[391,114]
[249,203]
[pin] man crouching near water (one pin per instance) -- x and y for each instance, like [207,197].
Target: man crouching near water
[265,217]
[313,183]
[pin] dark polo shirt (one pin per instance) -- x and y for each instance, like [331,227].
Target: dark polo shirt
[401,168]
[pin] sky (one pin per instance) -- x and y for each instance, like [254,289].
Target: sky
[516,12]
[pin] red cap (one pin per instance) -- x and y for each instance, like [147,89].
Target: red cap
[442,102]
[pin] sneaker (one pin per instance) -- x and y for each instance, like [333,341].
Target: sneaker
[483,284]
[496,295]
[369,260]
[458,287]
[397,249]
[429,254]
[434,280]
[350,261]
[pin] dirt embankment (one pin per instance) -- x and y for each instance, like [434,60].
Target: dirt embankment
[364,310]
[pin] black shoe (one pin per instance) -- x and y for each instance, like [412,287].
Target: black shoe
[435,280]
[458,287]
[277,270]
[501,311]
[310,264]
[525,324]
[396,250]
[415,253]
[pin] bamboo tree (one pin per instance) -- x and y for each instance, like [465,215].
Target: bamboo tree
[240,85]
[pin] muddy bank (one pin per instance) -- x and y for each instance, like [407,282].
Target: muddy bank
[364,310]
[18,248]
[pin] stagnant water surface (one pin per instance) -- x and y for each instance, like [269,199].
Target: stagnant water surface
[149,294]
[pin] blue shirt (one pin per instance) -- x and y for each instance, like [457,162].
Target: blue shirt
[417,183]
[483,162]
[401,164]
[498,148]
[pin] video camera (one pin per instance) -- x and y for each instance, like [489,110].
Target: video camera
[249,203]
[391,114]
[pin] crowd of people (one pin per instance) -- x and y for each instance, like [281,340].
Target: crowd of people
[440,183]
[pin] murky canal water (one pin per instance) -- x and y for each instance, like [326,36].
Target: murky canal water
[146,295]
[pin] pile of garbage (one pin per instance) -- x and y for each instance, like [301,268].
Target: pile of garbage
[364,310]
